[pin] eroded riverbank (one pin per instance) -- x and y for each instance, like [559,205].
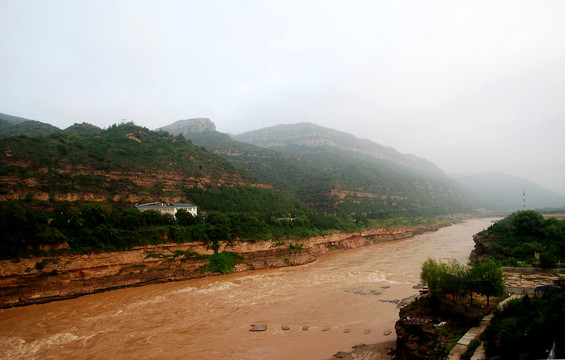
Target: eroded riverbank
[38,280]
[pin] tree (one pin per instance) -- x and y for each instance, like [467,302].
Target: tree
[431,275]
[185,218]
[487,279]
[527,222]
[218,228]
[547,260]
[452,278]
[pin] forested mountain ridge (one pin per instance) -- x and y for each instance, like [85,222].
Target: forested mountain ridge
[336,172]
[330,171]
[310,135]
[124,162]
[285,172]
[14,125]
[379,179]
[74,190]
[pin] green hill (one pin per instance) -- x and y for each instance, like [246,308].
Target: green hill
[285,172]
[312,136]
[122,162]
[368,178]
[13,125]
[82,129]
[12,120]
[73,189]
[333,171]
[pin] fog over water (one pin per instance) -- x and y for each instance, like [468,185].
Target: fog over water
[469,85]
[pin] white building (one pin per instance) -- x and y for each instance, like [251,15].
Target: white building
[168,208]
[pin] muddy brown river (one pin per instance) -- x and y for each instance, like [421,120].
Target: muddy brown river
[210,318]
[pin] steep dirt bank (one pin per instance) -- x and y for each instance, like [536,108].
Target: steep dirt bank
[36,280]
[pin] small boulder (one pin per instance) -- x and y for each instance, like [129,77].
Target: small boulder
[340,355]
[258,327]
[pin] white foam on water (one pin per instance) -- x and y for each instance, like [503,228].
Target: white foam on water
[185,290]
[129,308]
[18,348]
[135,305]
[216,287]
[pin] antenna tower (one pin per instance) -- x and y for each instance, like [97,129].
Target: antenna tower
[524,198]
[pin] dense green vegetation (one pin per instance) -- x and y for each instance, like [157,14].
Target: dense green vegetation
[109,163]
[285,172]
[451,308]
[14,125]
[123,148]
[81,159]
[28,229]
[526,237]
[460,281]
[222,262]
[527,328]
[338,173]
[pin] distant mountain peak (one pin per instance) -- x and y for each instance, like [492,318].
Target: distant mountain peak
[184,127]
[283,137]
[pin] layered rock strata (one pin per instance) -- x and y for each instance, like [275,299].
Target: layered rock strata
[41,279]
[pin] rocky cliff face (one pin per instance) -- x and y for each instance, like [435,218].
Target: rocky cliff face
[480,251]
[35,280]
[190,126]
[168,181]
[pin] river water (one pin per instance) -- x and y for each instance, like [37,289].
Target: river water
[210,318]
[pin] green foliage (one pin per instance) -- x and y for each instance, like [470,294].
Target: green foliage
[547,260]
[25,229]
[125,149]
[378,187]
[184,218]
[222,262]
[522,235]
[92,227]
[527,222]
[431,275]
[287,173]
[244,199]
[526,328]
[234,212]
[218,228]
[27,128]
[453,278]
[486,278]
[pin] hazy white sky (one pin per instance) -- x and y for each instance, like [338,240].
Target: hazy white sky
[469,85]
